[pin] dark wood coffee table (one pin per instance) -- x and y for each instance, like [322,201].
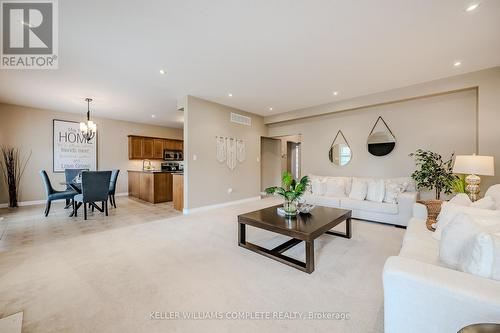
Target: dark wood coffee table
[303,227]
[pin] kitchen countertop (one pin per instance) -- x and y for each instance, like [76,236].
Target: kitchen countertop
[155,171]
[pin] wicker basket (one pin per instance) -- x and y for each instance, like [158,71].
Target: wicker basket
[433,209]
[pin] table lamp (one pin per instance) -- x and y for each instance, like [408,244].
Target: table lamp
[474,165]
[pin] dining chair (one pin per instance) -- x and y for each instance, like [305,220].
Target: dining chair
[95,188]
[70,175]
[53,194]
[112,186]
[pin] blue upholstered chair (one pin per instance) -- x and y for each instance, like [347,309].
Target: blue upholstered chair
[112,186]
[53,194]
[70,175]
[95,188]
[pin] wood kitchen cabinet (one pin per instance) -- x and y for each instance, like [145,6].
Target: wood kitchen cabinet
[142,147]
[148,148]
[153,187]
[158,148]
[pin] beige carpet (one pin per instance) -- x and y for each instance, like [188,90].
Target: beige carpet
[111,281]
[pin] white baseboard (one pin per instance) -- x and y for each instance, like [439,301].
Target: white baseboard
[186,211]
[39,202]
[25,203]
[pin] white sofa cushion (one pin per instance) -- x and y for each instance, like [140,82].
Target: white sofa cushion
[321,200]
[484,203]
[370,206]
[449,210]
[392,191]
[461,199]
[376,190]
[494,192]
[461,230]
[359,189]
[318,186]
[477,255]
[407,183]
[335,187]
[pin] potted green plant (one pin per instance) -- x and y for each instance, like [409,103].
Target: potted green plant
[291,191]
[433,172]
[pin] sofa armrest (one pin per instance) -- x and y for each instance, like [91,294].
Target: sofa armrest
[405,206]
[420,297]
[420,211]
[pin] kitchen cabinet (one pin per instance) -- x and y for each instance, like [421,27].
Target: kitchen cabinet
[134,147]
[158,148]
[148,148]
[150,186]
[178,191]
[142,147]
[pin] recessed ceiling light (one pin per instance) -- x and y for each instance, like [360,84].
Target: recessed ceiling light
[457,63]
[335,93]
[162,72]
[270,109]
[153,116]
[472,7]
[229,95]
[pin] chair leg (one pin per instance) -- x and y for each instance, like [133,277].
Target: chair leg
[84,211]
[114,201]
[92,208]
[105,207]
[47,208]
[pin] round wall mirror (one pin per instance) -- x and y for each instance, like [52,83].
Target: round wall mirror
[340,153]
[382,141]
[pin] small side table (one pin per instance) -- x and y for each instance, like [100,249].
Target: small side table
[481,328]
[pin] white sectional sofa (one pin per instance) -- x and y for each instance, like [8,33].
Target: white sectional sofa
[397,212]
[422,295]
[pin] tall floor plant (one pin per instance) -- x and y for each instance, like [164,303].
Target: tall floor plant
[13,165]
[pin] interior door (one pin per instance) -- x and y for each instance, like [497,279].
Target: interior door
[270,165]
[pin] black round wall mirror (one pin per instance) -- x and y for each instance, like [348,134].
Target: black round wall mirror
[382,141]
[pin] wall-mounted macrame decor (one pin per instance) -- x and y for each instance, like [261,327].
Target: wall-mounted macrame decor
[230,150]
[381,140]
[340,152]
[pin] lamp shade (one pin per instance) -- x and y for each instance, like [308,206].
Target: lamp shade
[474,165]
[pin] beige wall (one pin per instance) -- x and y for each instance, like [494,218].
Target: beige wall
[488,106]
[31,129]
[207,180]
[443,124]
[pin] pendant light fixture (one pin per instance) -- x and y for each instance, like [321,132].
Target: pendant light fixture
[89,128]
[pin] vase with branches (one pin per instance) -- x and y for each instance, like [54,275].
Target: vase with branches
[290,190]
[12,166]
[433,172]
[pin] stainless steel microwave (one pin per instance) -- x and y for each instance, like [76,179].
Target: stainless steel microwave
[173,155]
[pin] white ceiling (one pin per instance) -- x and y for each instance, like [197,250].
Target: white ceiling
[268,53]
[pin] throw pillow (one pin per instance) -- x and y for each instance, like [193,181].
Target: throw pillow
[359,189]
[318,187]
[484,203]
[458,232]
[477,255]
[433,209]
[494,192]
[392,191]
[335,187]
[376,190]
[495,271]
[449,210]
[461,199]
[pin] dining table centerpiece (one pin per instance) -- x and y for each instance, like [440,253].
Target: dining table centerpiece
[291,190]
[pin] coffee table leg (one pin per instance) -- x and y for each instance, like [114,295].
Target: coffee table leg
[310,256]
[241,233]
[348,230]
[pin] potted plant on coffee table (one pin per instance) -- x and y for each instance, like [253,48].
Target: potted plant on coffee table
[291,191]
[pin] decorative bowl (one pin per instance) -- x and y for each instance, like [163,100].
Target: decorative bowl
[305,208]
